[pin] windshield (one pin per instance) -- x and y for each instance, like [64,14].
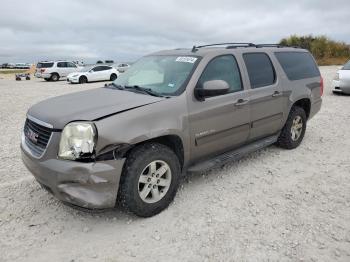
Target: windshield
[346,66]
[165,75]
[85,69]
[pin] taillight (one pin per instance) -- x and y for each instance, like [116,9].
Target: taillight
[322,86]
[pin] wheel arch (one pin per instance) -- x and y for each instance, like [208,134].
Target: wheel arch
[84,76]
[174,142]
[55,73]
[304,103]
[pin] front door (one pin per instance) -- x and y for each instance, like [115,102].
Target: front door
[219,123]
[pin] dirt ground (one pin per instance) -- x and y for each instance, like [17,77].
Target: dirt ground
[273,205]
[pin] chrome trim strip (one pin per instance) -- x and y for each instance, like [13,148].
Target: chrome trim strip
[39,122]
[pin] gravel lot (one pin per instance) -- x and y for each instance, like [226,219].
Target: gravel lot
[273,205]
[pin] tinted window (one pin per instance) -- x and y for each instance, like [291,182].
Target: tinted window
[61,64]
[44,65]
[97,68]
[260,70]
[106,68]
[69,64]
[297,65]
[223,68]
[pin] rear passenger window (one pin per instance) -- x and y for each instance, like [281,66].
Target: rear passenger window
[260,69]
[97,68]
[61,64]
[69,64]
[225,68]
[297,65]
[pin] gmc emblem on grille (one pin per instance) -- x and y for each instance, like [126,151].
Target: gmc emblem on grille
[32,136]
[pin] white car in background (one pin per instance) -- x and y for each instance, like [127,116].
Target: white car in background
[93,73]
[341,82]
[55,70]
[122,67]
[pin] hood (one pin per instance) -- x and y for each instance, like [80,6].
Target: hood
[88,105]
[77,73]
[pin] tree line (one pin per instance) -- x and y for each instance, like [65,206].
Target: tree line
[325,50]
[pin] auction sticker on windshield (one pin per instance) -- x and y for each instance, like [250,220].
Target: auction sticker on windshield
[186,59]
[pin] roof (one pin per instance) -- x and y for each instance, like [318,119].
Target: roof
[219,48]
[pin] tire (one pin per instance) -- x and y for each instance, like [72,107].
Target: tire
[18,79]
[27,78]
[139,163]
[55,77]
[113,77]
[288,138]
[82,80]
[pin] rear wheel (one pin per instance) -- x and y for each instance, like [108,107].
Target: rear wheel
[82,80]
[150,179]
[294,130]
[55,77]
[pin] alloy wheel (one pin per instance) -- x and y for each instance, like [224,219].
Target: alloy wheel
[297,128]
[154,181]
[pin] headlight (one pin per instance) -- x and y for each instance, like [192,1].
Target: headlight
[77,141]
[74,75]
[336,77]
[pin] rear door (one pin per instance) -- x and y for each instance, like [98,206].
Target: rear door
[62,69]
[266,111]
[105,73]
[71,68]
[219,123]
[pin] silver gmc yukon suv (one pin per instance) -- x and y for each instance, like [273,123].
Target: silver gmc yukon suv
[172,112]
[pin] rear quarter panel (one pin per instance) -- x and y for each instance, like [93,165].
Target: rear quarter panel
[294,90]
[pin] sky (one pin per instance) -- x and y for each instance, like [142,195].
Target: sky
[90,30]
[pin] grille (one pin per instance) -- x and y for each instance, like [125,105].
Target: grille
[36,137]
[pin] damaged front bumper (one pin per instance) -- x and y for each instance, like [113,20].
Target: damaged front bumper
[92,185]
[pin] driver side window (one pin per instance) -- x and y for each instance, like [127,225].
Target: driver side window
[225,68]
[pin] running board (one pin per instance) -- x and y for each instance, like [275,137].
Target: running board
[233,155]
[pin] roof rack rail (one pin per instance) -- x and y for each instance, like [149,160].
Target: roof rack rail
[229,45]
[275,45]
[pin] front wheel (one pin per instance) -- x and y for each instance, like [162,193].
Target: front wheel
[82,80]
[150,179]
[294,130]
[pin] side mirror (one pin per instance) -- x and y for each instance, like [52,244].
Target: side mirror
[211,88]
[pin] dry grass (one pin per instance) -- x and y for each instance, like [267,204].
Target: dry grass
[332,61]
[13,71]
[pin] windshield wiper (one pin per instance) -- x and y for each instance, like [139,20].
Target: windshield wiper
[136,88]
[144,90]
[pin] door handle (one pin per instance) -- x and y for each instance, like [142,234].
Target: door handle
[276,94]
[241,102]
